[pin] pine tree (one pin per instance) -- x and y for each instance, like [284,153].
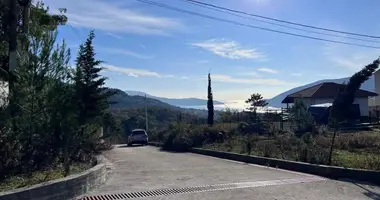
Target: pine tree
[91,95]
[210,103]
[91,99]
[255,101]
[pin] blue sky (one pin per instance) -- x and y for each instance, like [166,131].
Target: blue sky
[167,53]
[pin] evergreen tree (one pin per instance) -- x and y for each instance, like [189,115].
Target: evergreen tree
[255,101]
[345,98]
[300,118]
[210,103]
[91,100]
[91,95]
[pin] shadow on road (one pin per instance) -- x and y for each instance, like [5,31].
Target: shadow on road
[172,151]
[369,193]
[127,146]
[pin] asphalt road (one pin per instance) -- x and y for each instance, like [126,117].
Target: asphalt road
[141,169]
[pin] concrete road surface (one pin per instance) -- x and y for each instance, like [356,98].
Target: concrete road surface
[191,176]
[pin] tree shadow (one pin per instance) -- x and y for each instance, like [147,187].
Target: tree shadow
[130,146]
[371,194]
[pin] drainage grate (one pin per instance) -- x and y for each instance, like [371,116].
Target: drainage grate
[205,188]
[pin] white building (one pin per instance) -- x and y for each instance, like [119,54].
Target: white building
[326,93]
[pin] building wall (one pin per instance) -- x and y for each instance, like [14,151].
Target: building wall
[376,101]
[363,103]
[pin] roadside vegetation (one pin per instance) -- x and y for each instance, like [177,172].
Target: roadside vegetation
[50,119]
[56,108]
[301,140]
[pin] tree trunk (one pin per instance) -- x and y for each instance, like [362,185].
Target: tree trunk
[66,157]
[332,144]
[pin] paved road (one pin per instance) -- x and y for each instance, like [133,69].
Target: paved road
[140,169]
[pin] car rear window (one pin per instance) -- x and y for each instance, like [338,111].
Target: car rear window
[138,133]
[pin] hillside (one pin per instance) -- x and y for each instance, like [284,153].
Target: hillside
[276,101]
[121,100]
[175,101]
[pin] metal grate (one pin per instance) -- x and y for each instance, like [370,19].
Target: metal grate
[195,189]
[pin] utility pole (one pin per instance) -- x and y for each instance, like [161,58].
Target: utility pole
[146,114]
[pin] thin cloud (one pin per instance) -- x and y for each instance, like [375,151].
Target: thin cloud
[260,81]
[352,59]
[114,36]
[296,74]
[131,71]
[251,73]
[267,70]
[114,18]
[229,49]
[125,52]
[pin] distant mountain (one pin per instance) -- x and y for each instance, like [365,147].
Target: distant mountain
[276,101]
[175,101]
[121,100]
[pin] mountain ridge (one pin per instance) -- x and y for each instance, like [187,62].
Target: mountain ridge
[174,101]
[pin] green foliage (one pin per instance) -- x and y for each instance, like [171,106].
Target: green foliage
[300,118]
[255,101]
[40,21]
[181,136]
[210,103]
[345,98]
[52,125]
[92,97]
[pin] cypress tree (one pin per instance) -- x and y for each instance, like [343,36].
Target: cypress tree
[345,98]
[210,103]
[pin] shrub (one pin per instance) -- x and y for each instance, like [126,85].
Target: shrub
[267,148]
[313,154]
[177,138]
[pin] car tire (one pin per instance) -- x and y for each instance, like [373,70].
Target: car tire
[129,144]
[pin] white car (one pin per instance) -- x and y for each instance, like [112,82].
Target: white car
[138,136]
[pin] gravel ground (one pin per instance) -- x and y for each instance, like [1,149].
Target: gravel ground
[136,169]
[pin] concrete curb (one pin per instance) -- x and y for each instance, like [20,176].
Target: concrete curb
[320,170]
[65,188]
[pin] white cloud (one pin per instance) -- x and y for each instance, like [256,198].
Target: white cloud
[349,58]
[260,81]
[114,17]
[296,74]
[124,52]
[131,71]
[133,75]
[114,36]
[229,49]
[184,77]
[267,70]
[253,74]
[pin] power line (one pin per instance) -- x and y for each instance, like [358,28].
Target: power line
[283,21]
[251,26]
[277,24]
